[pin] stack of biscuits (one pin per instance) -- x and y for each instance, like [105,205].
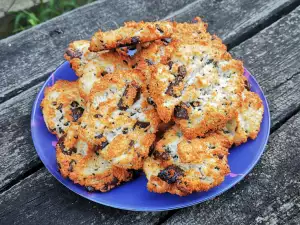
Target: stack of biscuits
[163,97]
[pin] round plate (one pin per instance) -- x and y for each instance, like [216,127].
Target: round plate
[134,195]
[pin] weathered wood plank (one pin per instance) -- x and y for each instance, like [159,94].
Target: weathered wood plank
[269,195]
[273,57]
[26,58]
[244,15]
[40,199]
[17,154]
[278,73]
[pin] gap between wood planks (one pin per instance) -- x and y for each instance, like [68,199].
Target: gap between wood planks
[233,43]
[19,90]
[22,176]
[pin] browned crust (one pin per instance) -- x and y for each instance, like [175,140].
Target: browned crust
[76,49]
[72,164]
[122,124]
[173,175]
[246,124]
[156,58]
[166,85]
[131,33]
[98,67]
[62,99]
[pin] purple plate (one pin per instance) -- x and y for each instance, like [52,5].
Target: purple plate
[134,195]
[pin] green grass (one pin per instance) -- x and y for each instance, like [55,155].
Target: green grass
[44,11]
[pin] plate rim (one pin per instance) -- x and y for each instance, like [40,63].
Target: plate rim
[143,209]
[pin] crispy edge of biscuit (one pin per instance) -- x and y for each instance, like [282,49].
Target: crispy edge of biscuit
[212,121]
[74,49]
[251,98]
[47,111]
[125,35]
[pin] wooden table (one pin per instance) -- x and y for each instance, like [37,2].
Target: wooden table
[265,34]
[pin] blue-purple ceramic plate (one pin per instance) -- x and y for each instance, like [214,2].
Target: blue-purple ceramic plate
[134,195]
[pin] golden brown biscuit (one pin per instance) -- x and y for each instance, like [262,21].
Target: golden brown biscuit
[119,121]
[200,85]
[187,40]
[191,32]
[61,106]
[247,122]
[131,34]
[78,161]
[149,55]
[90,66]
[181,166]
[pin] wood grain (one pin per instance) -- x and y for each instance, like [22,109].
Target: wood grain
[17,154]
[232,20]
[40,199]
[273,57]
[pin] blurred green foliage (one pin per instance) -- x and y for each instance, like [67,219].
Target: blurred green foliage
[44,11]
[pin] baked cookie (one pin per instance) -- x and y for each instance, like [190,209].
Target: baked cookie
[181,166]
[200,87]
[247,122]
[119,121]
[77,160]
[91,66]
[61,106]
[131,33]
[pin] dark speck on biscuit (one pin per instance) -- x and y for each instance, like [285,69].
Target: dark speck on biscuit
[170,174]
